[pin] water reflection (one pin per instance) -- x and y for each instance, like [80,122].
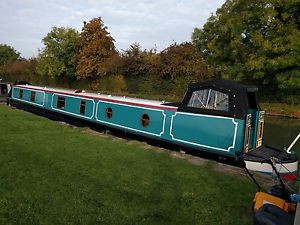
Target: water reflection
[280,132]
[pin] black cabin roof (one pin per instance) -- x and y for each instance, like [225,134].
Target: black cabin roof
[241,98]
[224,84]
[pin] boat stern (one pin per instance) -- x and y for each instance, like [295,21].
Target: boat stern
[261,159]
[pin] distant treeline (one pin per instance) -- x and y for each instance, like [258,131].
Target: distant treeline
[89,60]
[255,42]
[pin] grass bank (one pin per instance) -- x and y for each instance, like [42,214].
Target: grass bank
[51,173]
[282,109]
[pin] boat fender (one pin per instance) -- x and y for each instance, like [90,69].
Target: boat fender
[295,198]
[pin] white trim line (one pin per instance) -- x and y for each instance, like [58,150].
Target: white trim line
[129,128]
[66,112]
[30,102]
[200,145]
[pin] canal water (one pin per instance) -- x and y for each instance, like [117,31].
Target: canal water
[280,132]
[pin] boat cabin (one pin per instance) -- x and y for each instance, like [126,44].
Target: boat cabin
[220,97]
[4,90]
[227,99]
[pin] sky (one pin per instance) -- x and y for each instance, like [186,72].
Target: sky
[152,23]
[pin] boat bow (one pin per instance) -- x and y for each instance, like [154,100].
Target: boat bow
[259,159]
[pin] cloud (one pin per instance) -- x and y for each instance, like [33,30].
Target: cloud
[23,24]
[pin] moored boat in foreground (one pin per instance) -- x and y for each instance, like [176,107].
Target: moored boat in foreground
[4,90]
[219,117]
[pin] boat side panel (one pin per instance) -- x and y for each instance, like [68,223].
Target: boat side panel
[72,105]
[216,133]
[40,96]
[129,117]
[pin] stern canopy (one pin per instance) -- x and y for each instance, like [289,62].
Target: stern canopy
[220,97]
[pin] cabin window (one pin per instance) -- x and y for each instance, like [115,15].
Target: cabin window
[82,107]
[209,99]
[61,102]
[32,96]
[21,94]
[145,120]
[109,112]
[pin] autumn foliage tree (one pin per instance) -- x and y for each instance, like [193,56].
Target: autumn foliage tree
[23,69]
[180,65]
[167,72]
[137,62]
[95,47]
[183,62]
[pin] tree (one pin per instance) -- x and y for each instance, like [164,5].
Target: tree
[181,64]
[137,62]
[183,61]
[56,59]
[8,54]
[23,69]
[95,47]
[256,41]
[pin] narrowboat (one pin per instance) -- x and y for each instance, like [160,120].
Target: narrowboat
[219,117]
[4,90]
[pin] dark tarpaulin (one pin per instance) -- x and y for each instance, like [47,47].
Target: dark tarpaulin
[241,98]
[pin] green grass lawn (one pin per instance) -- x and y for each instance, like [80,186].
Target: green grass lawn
[51,173]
